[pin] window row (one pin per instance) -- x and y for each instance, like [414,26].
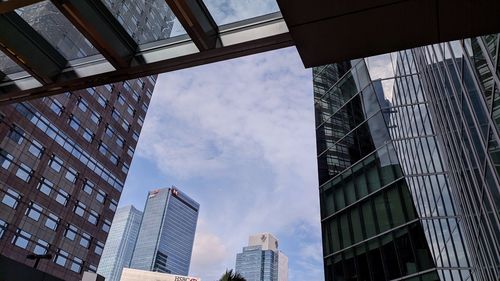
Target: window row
[43,124]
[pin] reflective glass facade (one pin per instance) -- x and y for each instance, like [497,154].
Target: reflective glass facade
[65,159]
[166,235]
[120,244]
[438,104]
[371,230]
[461,82]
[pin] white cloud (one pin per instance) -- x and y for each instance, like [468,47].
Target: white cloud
[240,136]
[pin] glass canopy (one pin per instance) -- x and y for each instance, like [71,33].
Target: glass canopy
[56,46]
[229,11]
[145,21]
[48,21]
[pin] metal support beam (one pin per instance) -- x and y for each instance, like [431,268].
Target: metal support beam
[197,21]
[10,6]
[100,27]
[28,49]
[239,39]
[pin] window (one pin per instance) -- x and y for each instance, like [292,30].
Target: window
[103,148]
[52,222]
[45,186]
[16,135]
[99,246]
[74,122]
[3,227]
[120,99]
[101,195]
[93,217]
[21,239]
[126,125]
[109,131]
[115,114]
[71,175]
[92,268]
[135,136]
[96,118]
[55,163]
[82,104]
[11,198]
[91,91]
[125,168]
[70,232]
[56,107]
[88,135]
[5,159]
[102,101]
[76,265]
[34,211]
[108,87]
[61,257]
[88,186]
[62,197]
[106,225]
[114,159]
[24,172]
[120,141]
[85,240]
[113,204]
[130,151]
[130,110]
[80,209]
[36,149]
[140,121]
[41,247]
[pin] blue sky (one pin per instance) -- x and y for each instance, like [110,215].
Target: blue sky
[237,136]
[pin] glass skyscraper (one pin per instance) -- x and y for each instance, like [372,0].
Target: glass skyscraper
[166,235]
[261,260]
[64,159]
[120,244]
[435,215]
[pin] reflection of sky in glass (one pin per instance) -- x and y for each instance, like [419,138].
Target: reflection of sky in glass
[47,20]
[146,21]
[229,11]
[383,67]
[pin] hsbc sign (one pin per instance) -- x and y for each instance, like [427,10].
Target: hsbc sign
[129,274]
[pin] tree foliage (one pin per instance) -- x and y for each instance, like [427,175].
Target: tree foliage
[231,275]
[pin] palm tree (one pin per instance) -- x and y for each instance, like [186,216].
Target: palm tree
[230,275]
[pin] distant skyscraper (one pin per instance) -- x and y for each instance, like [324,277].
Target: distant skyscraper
[261,260]
[64,159]
[120,245]
[167,231]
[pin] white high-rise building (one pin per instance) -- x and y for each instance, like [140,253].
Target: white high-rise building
[261,260]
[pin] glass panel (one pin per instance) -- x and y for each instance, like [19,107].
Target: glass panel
[8,66]
[47,20]
[229,11]
[146,21]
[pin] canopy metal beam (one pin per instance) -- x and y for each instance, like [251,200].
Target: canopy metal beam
[239,39]
[29,49]
[11,5]
[197,21]
[100,27]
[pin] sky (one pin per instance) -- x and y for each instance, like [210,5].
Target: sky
[238,137]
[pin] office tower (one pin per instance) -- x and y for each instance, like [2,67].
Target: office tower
[166,236]
[261,260]
[450,226]
[65,158]
[120,244]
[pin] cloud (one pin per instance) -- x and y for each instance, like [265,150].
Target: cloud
[239,137]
